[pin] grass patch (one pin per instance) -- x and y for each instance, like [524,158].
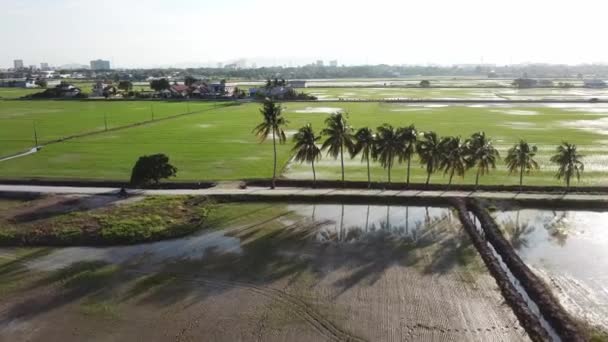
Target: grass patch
[151,219]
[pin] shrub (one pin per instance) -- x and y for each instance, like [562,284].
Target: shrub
[151,169]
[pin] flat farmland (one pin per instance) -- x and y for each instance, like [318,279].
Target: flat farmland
[58,119]
[217,143]
[380,92]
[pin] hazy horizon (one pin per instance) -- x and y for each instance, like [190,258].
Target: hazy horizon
[155,33]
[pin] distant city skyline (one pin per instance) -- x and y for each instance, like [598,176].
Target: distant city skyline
[264,32]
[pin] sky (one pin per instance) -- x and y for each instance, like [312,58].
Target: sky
[149,33]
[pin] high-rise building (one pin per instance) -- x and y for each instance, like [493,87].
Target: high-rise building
[320,63]
[18,63]
[333,63]
[100,64]
[44,66]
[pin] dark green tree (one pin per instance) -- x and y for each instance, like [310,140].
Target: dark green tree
[125,86]
[306,149]
[453,157]
[339,135]
[481,154]
[151,169]
[408,137]
[160,84]
[387,147]
[365,141]
[569,163]
[521,157]
[429,151]
[272,124]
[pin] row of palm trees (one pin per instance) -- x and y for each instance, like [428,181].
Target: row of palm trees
[389,145]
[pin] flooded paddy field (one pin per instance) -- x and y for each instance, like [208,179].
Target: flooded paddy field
[266,271]
[569,251]
[486,93]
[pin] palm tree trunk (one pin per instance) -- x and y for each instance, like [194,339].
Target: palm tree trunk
[451,176]
[567,182]
[521,178]
[477,178]
[389,174]
[342,163]
[274,170]
[428,177]
[314,174]
[409,162]
[369,179]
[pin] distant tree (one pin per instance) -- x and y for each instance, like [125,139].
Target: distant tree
[151,169]
[272,124]
[425,84]
[569,162]
[306,149]
[387,147]
[160,84]
[453,157]
[429,150]
[189,81]
[125,86]
[524,83]
[41,83]
[481,154]
[521,157]
[364,145]
[408,137]
[109,91]
[339,135]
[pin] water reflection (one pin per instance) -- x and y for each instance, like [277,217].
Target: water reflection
[193,247]
[569,249]
[354,223]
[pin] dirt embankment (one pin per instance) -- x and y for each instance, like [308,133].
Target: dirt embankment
[548,305]
[336,184]
[525,316]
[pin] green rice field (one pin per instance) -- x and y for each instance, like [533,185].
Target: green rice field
[215,141]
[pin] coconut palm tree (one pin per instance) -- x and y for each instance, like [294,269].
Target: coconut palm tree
[569,162]
[521,157]
[272,123]
[429,150]
[306,149]
[408,136]
[387,147]
[339,135]
[364,145]
[481,154]
[453,157]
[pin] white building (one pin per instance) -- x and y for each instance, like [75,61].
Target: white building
[100,64]
[18,64]
[333,63]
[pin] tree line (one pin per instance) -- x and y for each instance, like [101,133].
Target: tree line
[391,146]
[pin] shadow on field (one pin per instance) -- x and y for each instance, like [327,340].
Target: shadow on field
[276,244]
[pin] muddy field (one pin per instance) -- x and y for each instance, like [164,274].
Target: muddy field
[265,272]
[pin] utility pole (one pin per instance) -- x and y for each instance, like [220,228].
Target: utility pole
[152,111]
[105,121]
[35,134]
[188,104]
